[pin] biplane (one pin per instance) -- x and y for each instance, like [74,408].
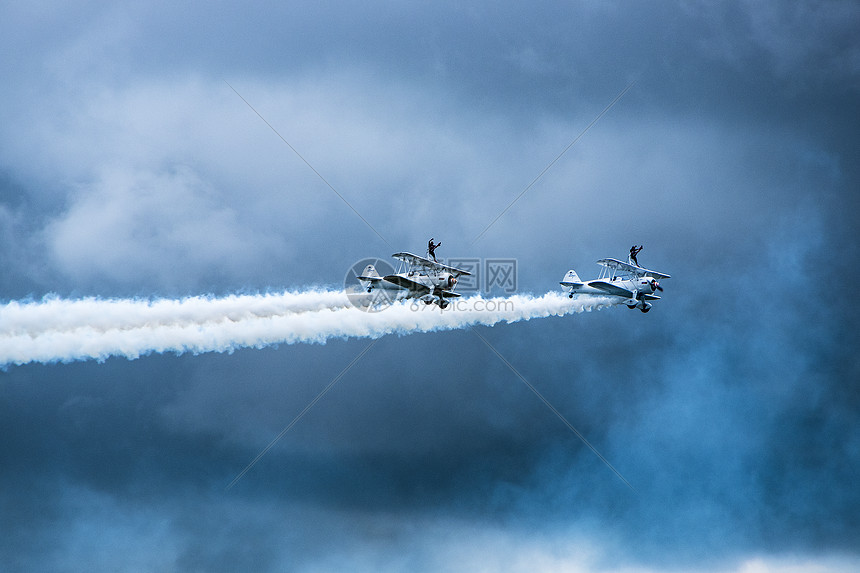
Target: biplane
[421,278]
[633,284]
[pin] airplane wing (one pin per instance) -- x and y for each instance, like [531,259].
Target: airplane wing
[406,283]
[417,261]
[655,274]
[371,279]
[570,284]
[448,294]
[611,289]
[633,269]
[618,265]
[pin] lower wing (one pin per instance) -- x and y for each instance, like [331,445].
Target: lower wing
[408,284]
[611,289]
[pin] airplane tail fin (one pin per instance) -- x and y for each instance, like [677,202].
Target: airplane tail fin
[369,277]
[571,278]
[570,282]
[370,271]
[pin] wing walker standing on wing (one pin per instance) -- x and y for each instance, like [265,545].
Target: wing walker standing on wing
[431,248]
[634,285]
[634,250]
[426,280]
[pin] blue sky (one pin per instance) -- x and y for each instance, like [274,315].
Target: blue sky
[130,168]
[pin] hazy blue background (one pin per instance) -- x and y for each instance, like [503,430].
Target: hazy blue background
[128,167]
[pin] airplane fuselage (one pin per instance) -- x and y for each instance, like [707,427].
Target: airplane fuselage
[429,288]
[637,287]
[414,281]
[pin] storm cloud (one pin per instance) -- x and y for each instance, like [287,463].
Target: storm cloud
[129,169]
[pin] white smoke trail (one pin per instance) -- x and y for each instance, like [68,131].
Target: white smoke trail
[58,330]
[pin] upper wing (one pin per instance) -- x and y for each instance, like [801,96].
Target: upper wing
[611,288]
[619,265]
[409,284]
[417,261]
[633,269]
[655,274]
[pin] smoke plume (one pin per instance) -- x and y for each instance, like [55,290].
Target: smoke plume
[62,330]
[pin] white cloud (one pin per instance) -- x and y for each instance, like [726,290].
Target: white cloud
[150,228]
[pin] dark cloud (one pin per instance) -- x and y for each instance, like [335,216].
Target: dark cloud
[129,168]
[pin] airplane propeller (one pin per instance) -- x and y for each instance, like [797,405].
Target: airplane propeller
[656,286]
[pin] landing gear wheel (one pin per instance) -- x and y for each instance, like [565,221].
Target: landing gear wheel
[645,309]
